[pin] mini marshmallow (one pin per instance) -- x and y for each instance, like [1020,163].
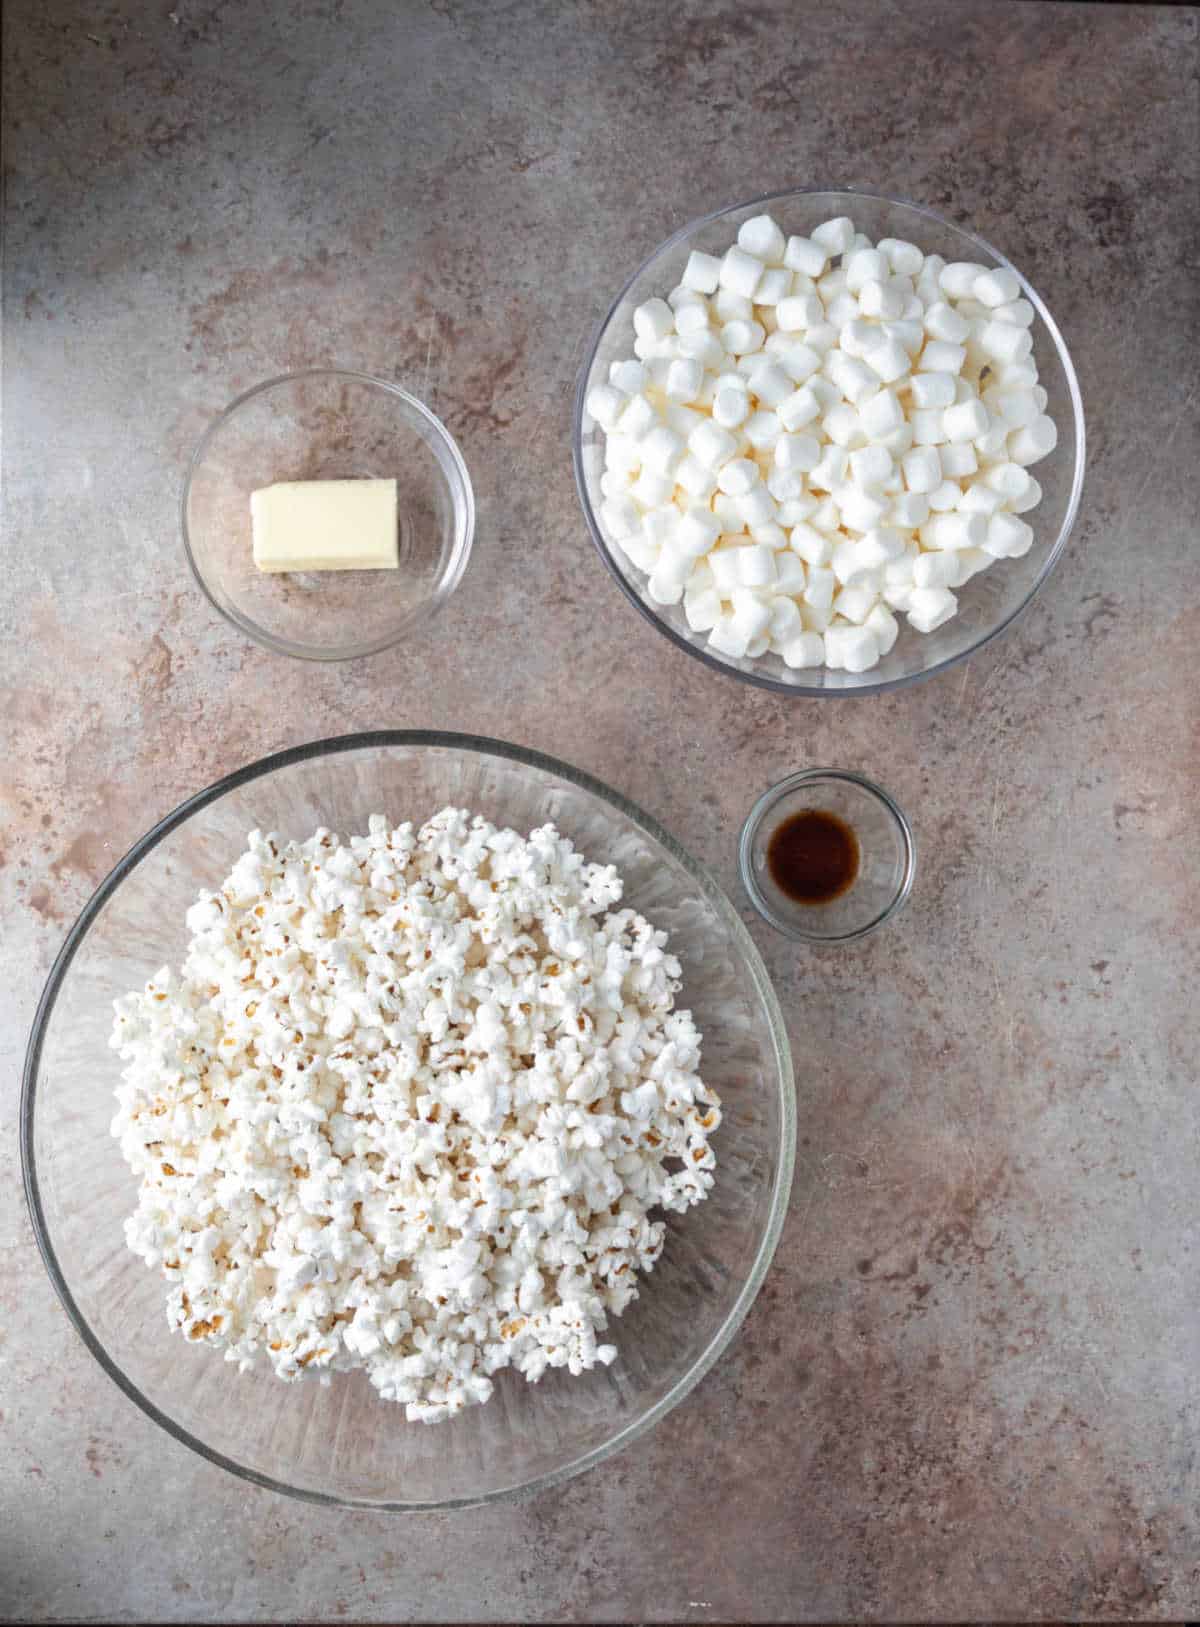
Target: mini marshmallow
[929,608]
[992,445]
[795,510]
[1007,537]
[629,376]
[786,622]
[797,452]
[922,469]
[822,338]
[830,471]
[762,430]
[979,499]
[605,404]
[869,466]
[691,319]
[741,337]
[940,357]
[652,488]
[638,418]
[930,390]
[762,238]
[806,255]
[882,545]
[1016,407]
[904,258]
[798,360]
[928,426]
[998,287]
[662,450]
[730,307]
[751,614]
[859,510]
[835,236]
[843,426]
[889,361]
[842,308]
[790,574]
[880,299]
[813,546]
[738,476]
[1009,479]
[864,266]
[1030,498]
[880,415]
[942,322]
[957,461]
[957,280]
[909,510]
[945,497]
[771,535]
[654,320]
[853,648]
[694,479]
[1033,442]
[702,609]
[726,640]
[1019,311]
[684,378]
[1004,342]
[731,405]
[711,445]
[798,312]
[756,565]
[770,384]
[954,530]
[965,421]
[697,531]
[702,272]
[784,485]
[621,518]
[740,272]
[757,506]
[821,586]
[704,348]
[935,569]
[910,335]
[726,572]
[798,409]
[856,602]
[804,650]
[774,285]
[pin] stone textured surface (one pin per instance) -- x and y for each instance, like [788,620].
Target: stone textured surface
[971,1387]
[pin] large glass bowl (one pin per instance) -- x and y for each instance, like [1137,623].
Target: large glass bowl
[989,602]
[342,1444]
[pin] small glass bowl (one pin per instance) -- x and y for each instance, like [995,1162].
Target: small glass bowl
[328,425]
[992,600]
[887,856]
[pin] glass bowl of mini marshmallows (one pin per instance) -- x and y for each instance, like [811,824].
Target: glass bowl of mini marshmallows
[828,442]
[333,1434]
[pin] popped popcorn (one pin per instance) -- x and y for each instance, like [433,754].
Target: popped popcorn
[408,1106]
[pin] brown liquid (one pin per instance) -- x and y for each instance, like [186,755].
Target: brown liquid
[813,857]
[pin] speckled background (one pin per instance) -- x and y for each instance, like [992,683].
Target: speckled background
[971,1386]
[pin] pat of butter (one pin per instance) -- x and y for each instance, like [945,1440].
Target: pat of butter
[325,525]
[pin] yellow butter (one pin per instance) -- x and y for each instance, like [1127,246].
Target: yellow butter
[325,525]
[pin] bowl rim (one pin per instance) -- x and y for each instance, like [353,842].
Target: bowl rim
[464,523]
[487,746]
[775,794]
[764,680]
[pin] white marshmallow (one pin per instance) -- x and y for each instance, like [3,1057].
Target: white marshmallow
[889,361]
[684,378]
[954,530]
[806,255]
[905,258]
[856,602]
[813,546]
[882,545]
[1016,407]
[730,307]
[820,588]
[786,621]
[697,531]
[751,614]
[1033,442]
[726,640]
[804,650]
[835,236]
[797,452]
[909,509]
[741,337]
[884,626]
[740,272]
[1009,479]
[830,471]
[942,322]
[762,429]
[784,485]
[864,266]
[629,376]
[756,566]
[762,238]
[851,562]
[945,497]
[605,404]
[1030,498]
[979,499]
[966,420]
[770,383]
[928,426]
[821,338]
[621,517]
[652,488]
[843,426]
[1007,537]
[957,461]
[935,569]
[922,469]
[869,466]
[929,608]
[798,360]
[880,414]
[738,476]
[702,609]
[702,272]
[697,481]
[940,357]
[662,450]
[704,348]
[798,408]
[731,405]
[790,574]
[957,280]
[798,312]
[774,285]
[880,299]
[1004,342]
[711,445]
[842,308]
[998,287]
[691,319]
[654,320]
[757,506]
[932,390]
[854,648]
[908,334]
[638,418]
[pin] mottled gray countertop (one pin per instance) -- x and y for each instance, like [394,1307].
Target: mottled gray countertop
[971,1386]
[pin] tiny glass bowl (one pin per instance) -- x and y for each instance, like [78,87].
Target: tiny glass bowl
[328,425]
[886,863]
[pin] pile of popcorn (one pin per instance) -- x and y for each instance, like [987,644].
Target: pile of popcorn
[409,1106]
[815,434]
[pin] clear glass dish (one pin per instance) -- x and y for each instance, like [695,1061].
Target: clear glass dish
[887,856]
[328,425]
[991,601]
[342,1444]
